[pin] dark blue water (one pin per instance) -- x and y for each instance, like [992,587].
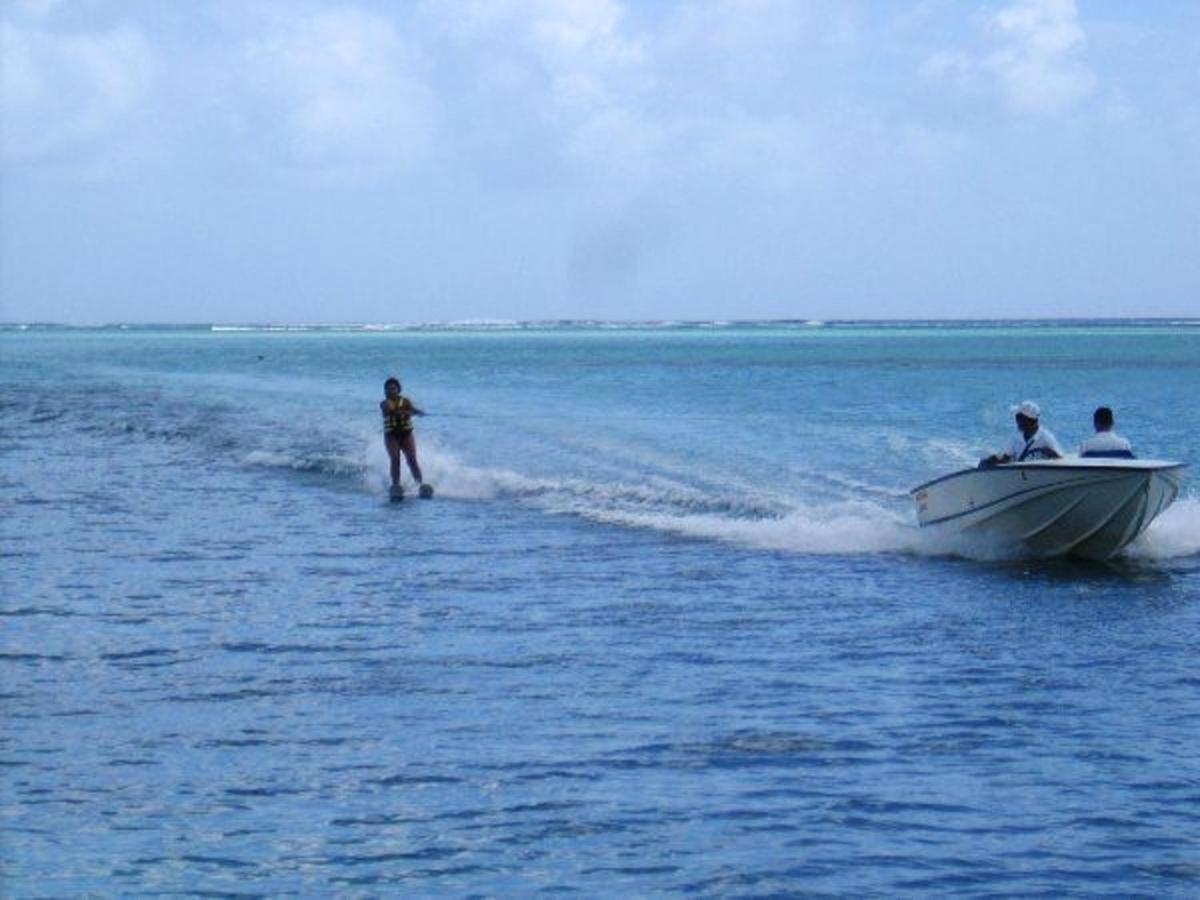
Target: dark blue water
[668,626]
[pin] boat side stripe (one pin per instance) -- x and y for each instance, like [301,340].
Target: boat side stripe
[1042,488]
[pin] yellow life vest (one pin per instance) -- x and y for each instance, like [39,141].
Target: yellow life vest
[398,415]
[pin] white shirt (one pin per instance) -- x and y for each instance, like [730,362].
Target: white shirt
[1105,442]
[1043,439]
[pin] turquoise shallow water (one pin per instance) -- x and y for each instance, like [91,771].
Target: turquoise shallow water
[669,624]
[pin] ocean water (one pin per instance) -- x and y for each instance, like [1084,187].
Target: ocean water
[669,625]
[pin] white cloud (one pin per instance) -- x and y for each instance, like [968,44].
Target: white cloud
[343,90]
[1036,63]
[565,34]
[765,56]
[619,91]
[560,80]
[1040,64]
[65,95]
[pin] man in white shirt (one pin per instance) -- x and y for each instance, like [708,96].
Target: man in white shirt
[1105,442]
[1031,441]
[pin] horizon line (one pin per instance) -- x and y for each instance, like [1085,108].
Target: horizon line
[481,322]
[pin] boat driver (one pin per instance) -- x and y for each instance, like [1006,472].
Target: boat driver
[1031,441]
[1105,443]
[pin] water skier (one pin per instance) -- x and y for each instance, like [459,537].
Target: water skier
[398,411]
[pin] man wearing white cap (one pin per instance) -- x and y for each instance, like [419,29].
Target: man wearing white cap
[1031,441]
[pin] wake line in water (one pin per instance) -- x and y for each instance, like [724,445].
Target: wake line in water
[573,495]
[319,463]
[864,524]
[857,527]
[1174,534]
[763,522]
[848,527]
[853,527]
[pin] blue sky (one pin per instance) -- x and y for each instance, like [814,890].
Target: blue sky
[261,160]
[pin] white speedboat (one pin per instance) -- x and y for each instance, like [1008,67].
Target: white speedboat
[1080,507]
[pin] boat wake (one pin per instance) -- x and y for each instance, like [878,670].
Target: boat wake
[1173,535]
[864,520]
[859,524]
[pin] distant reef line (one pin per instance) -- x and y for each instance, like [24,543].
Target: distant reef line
[469,325]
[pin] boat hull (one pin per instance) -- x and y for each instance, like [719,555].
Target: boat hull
[1088,508]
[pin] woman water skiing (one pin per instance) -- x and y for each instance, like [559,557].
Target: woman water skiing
[398,411]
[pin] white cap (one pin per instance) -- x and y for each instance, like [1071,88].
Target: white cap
[1028,409]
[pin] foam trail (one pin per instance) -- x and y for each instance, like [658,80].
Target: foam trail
[584,497]
[322,463]
[853,527]
[357,454]
[864,525]
[846,527]
[354,454]
[1174,534]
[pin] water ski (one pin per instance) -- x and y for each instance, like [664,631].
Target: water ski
[425,492]
[396,494]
